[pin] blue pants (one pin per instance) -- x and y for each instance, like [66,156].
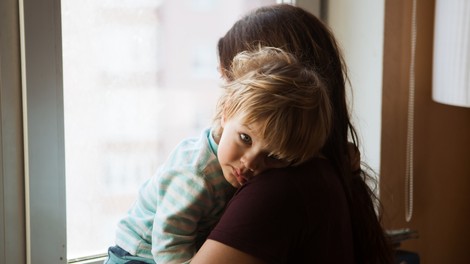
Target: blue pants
[407,257]
[117,255]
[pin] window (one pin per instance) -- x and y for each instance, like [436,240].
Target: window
[139,76]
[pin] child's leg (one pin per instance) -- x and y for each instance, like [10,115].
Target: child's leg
[117,255]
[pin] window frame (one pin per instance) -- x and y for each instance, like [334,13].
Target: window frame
[12,219]
[43,122]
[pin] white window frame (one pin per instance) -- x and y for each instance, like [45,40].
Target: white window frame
[32,156]
[43,122]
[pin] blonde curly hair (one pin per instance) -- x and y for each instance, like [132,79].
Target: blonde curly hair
[288,101]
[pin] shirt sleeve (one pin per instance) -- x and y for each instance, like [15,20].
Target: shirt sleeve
[182,200]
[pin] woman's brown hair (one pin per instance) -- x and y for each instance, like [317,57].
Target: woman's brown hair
[302,34]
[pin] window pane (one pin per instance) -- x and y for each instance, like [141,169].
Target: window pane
[139,76]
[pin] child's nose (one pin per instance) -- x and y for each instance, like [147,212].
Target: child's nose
[251,161]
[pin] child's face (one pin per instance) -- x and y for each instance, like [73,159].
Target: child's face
[242,153]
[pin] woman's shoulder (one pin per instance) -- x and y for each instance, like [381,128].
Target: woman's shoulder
[317,173]
[304,206]
[303,190]
[311,193]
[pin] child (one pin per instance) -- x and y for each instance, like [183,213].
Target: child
[274,113]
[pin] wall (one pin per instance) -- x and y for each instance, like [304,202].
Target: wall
[359,32]
[441,150]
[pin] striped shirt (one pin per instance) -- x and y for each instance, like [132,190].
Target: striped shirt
[177,207]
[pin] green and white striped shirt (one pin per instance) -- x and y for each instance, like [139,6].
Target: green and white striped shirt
[177,208]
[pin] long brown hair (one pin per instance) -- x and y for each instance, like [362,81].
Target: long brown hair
[306,37]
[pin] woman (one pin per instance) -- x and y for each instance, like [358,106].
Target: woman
[319,212]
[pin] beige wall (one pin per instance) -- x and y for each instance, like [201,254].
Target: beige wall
[358,26]
[442,144]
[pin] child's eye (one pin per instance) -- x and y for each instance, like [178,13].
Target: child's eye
[245,138]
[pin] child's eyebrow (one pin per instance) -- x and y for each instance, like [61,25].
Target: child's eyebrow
[252,130]
[248,127]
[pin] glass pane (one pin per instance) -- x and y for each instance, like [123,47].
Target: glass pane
[139,76]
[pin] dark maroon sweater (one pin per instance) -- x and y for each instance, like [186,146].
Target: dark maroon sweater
[291,215]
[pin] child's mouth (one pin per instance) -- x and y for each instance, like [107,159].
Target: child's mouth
[240,177]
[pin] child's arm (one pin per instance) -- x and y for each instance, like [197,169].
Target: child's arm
[182,200]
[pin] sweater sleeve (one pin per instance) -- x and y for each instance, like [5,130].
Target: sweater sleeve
[178,206]
[183,200]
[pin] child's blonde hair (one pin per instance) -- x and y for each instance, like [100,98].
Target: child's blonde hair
[288,102]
